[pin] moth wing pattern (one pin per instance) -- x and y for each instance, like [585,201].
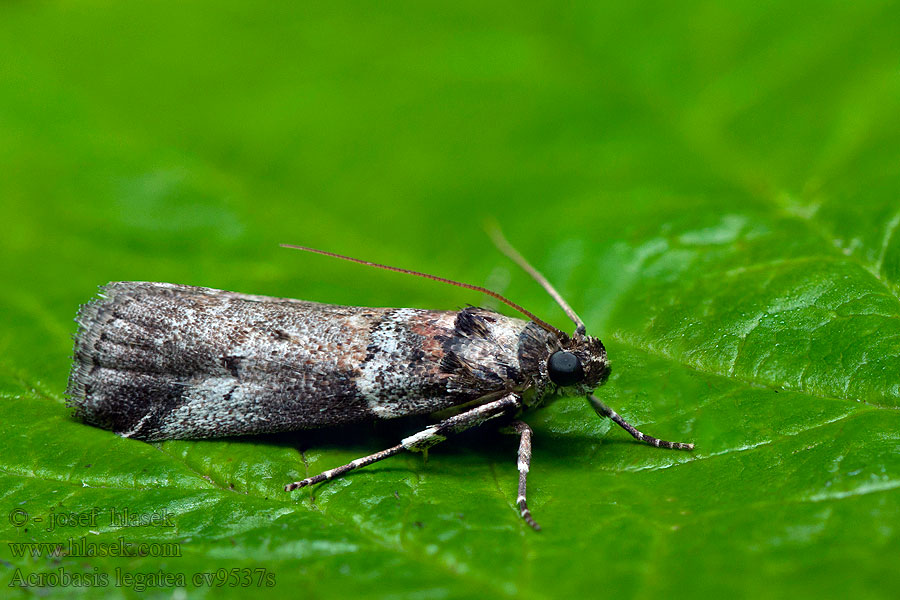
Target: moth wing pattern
[165,361]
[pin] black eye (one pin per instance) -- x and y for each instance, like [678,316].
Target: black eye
[565,368]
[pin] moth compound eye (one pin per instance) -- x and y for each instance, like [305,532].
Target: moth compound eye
[565,368]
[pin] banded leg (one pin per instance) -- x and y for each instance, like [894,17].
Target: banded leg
[605,411]
[424,439]
[339,471]
[524,431]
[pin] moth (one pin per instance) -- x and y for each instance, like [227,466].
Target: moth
[160,361]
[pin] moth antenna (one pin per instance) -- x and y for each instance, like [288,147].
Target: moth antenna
[467,286]
[506,248]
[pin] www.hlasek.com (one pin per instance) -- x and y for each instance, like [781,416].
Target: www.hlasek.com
[141,581]
[82,547]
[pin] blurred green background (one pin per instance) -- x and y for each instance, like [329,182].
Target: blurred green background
[714,187]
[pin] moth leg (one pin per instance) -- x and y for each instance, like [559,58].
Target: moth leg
[605,411]
[524,432]
[339,471]
[424,439]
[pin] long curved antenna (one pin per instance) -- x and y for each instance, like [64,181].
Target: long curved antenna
[468,286]
[507,249]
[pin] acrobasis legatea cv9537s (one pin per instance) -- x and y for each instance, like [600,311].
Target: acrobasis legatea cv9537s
[160,361]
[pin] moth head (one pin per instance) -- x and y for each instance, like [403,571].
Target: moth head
[579,363]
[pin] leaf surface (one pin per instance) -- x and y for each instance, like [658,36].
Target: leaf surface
[713,188]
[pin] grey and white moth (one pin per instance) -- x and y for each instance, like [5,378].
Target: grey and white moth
[160,361]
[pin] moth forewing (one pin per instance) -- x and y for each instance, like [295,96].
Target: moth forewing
[162,361]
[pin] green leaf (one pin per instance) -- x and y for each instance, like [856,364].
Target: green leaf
[712,187]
